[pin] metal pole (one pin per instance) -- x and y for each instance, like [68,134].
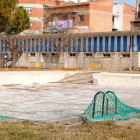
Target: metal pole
[18,62]
[37,57]
[131,49]
[0,61]
[89,61]
[50,60]
[68,60]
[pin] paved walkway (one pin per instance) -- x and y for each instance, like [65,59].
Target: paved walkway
[56,100]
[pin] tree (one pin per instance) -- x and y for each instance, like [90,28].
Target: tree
[6,9]
[13,22]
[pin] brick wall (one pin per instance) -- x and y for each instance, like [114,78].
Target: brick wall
[128,15]
[97,15]
[36,25]
[101,15]
[36,12]
[25,1]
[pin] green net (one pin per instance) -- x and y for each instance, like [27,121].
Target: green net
[107,105]
[13,118]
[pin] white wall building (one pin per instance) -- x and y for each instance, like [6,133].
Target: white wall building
[122,15]
[118,16]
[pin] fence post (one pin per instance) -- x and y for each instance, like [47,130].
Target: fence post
[0,59]
[37,56]
[68,60]
[50,59]
[131,50]
[18,62]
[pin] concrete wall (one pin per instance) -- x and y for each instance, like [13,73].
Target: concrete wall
[31,77]
[116,79]
[116,60]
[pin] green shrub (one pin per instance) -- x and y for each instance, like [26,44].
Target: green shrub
[110,122]
[129,126]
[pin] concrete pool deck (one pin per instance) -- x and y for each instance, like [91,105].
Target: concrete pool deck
[55,101]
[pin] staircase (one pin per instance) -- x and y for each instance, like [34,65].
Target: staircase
[79,78]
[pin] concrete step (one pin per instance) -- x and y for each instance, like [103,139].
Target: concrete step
[79,78]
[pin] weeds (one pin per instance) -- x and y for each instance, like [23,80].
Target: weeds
[129,126]
[26,130]
[110,122]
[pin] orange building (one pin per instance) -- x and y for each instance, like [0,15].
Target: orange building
[35,12]
[93,16]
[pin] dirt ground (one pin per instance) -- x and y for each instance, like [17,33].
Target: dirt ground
[64,69]
[26,69]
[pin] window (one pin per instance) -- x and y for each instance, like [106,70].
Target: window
[5,56]
[113,18]
[106,55]
[66,17]
[89,54]
[32,54]
[29,10]
[72,54]
[53,54]
[125,55]
[55,18]
[81,17]
[43,54]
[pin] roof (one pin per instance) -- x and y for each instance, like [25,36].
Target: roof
[78,4]
[136,21]
[123,3]
[63,12]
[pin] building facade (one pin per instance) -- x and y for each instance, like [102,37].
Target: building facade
[96,16]
[110,51]
[122,15]
[93,16]
[36,13]
[135,24]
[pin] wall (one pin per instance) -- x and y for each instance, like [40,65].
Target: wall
[101,15]
[128,15]
[37,13]
[97,15]
[33,77]
[118,13]
[123,13]
[82,10]
[116,79]
[116,61]
[35,16]
[116,44]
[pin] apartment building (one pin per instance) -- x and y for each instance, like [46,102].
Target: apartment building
[35,12]
[92,16]
[135,24]
[122,15]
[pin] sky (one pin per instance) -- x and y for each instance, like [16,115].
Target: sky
[130,2]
